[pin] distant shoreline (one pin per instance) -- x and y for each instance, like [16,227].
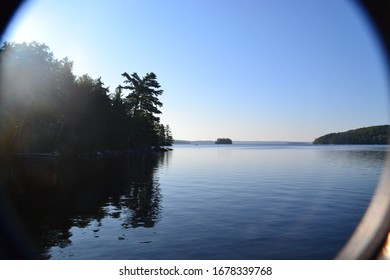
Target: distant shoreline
[371,135]
[210,142]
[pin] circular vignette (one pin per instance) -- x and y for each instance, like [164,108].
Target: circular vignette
[370,235]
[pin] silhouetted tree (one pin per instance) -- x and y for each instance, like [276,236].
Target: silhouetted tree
[143,97]
[167,136]
[44,107]
[118,122]
[143,106]
[31,89]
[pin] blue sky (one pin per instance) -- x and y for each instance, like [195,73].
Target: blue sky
[247,70]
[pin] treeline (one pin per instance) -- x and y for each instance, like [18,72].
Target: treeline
[44,107]
[364,136]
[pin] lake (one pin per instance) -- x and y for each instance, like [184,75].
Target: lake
[194,202]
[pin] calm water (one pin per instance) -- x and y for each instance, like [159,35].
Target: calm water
[195,202]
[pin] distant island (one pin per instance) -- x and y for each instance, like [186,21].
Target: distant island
[238,142]
[373,135]
[224,141]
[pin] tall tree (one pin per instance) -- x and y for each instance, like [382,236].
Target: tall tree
[143,96]
[143,107]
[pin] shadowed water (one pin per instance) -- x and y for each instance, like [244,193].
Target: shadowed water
[195,202]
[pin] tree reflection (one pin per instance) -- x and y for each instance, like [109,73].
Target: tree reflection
[50,197]
[144,201]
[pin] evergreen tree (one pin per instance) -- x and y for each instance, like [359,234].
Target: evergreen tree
[143,97]
[143,107]
[44,107]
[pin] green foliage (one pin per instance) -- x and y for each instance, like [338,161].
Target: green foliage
[44,107]
[364,136]
[224,141]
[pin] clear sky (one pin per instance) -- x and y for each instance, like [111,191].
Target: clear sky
[243,69]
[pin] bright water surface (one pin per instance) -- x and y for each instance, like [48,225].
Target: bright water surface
[197,202]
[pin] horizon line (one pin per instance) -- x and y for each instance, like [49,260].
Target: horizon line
[208,140]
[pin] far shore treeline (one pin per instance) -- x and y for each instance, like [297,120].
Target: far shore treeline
[373,135]
[45,108]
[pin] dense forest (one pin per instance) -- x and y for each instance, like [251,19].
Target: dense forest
[44,107]
[364,136]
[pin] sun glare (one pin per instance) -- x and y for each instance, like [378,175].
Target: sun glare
[22,27]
